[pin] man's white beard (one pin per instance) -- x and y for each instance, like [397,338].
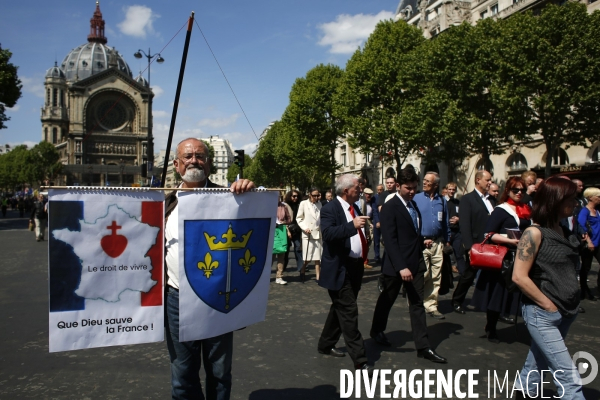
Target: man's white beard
[194,175]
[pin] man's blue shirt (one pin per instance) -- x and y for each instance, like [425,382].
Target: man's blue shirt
[434,213]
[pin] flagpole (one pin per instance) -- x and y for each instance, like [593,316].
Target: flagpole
[177,93]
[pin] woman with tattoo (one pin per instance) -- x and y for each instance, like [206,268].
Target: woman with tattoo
[545,273]
[590,222]
[490,295]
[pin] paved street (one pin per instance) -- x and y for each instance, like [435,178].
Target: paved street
[273,360]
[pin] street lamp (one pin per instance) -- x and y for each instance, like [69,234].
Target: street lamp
[150,146]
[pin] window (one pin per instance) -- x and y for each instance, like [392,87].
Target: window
[494,9]
[560,157]
[485,165]
[516,162]
[45,134]
[54,135]
[54,97]
[343,160]
[47,97]
[483,14]
[596,154]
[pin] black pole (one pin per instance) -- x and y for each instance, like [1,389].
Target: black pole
[177,93]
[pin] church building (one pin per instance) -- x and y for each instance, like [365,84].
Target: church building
[97,115]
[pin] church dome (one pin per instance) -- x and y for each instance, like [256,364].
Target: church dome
[141,80]
[91,58]
[55,72]
[94,56]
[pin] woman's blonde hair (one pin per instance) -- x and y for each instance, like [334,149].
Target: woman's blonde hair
[591,192]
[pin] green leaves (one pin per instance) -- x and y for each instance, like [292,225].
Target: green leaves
[34,166]
[470,90]
[10,85]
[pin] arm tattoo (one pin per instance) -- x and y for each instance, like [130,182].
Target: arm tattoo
[526,248]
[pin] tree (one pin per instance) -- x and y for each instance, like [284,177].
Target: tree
[14,168]
[452,84]
[10,85]
[371,97]
[43,163]
[211,156]
[234,169]
[271,166]
[314,127]
[550,66]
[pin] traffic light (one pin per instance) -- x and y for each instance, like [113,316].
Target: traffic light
[239,158]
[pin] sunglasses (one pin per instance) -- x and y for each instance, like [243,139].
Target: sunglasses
[515,190]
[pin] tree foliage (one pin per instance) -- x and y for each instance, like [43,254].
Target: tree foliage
[10,85]
[371,97]
[472,90]
[451,85]
[549,67]
[234,169]
[313,127]
[29,166]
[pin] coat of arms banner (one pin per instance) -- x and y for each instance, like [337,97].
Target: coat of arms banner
[226,245]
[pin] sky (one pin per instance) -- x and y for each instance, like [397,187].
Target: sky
[262,47]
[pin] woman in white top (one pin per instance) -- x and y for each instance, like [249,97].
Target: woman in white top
[308,219]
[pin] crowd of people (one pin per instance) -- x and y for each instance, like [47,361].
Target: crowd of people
[551,230]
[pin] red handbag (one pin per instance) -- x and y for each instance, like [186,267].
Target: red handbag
[487,256]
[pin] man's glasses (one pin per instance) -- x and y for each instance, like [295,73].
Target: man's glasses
[294,197]
[315,195]
[186,158]
[516,190]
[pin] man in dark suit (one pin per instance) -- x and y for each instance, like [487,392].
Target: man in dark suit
[475,209]
[403,264]
[342,268]
[454,219]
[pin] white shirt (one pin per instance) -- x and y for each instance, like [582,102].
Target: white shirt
[172,246]
[355,243]
[406,205]
[486,201]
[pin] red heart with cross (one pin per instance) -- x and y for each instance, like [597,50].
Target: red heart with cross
[114,245]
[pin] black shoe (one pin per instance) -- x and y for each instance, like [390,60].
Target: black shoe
[431,355]
[366,367]
[381,339]
[458,308]
[492,337]
[333,352]
[581,310]
[507,320]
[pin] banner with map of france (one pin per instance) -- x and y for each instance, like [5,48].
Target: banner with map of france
[105,268]
[225,248]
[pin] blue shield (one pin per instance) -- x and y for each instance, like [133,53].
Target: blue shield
[224,259]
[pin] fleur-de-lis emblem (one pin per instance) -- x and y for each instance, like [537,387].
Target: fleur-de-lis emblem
[247,261]
[208,265]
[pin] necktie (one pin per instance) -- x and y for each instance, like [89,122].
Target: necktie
[413,215]
[363,240]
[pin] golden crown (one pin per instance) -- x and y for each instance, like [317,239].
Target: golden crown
[229,243]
